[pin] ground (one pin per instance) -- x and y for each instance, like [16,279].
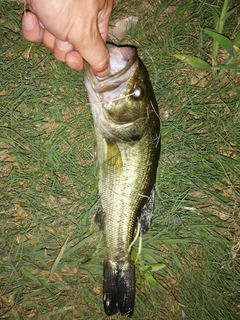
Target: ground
[51,251]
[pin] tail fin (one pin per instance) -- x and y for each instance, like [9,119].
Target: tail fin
[110,285]
[126,290]
[118,288]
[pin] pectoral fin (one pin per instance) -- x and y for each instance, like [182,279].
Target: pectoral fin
[113,156]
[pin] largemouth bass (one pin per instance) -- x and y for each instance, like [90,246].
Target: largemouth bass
[127,146]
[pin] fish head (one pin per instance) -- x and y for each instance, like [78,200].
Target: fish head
[122,102]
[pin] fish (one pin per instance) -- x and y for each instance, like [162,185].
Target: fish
[127,149]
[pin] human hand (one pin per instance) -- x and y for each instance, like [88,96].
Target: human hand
[74,30]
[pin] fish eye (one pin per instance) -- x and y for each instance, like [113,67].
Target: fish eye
[135,138]
[137,93]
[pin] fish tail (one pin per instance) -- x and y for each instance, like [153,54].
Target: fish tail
[126,289]
[118,288]
[110,286]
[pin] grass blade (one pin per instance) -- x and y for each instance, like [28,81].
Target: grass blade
[193,61]
[57,260]
[236,42]
[222,40]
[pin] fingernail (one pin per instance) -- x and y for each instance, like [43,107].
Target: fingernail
[74,60]
[41,25]
[72,64]
[63,45]
[103,73]
[28,22]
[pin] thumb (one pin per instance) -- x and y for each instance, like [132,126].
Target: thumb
[97,56]
[91,44]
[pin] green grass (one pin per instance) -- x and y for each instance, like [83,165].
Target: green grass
[51,252]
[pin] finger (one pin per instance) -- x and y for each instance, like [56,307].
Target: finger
[101,69]
[74,60]
[103,27]
[61,48]
[95,53]
[48,40]
[31,28]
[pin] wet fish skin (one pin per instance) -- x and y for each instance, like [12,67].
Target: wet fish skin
[127,146]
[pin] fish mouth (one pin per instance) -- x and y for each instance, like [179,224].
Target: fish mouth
[123,63]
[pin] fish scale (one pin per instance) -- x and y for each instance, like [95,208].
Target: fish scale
[127,145]
[124,196]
